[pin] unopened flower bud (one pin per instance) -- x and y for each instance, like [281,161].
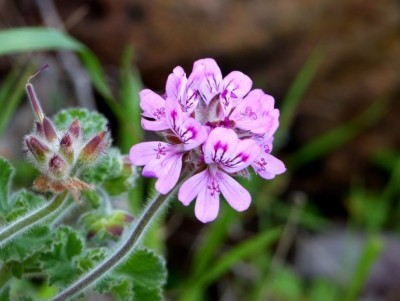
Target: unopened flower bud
[58,167]
[66,148]
[39,129]
[49,130]
[37,148]
[37,110]
[75,129]
[101,225]
[90,152]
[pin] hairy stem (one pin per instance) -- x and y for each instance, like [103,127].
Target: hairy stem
[21,225]
[133,237]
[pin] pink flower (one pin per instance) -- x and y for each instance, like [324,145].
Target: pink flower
[164,160]
[212,125]
[230,89]
[224,153]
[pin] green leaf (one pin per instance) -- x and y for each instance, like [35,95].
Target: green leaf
[32,39]
[30,243]
[6,174]
[145,272]
[110,166]
[5,293]
[91,122]
[58,261]
[22,202]
[87,261]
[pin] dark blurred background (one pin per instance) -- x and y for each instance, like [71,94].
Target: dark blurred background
[358,48]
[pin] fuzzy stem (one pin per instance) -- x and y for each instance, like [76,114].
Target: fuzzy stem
[24,223]
[133,237]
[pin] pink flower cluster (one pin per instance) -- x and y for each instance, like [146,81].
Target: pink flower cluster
[214,126]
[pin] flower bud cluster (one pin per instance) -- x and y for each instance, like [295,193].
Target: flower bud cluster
[59,154]
[217,127]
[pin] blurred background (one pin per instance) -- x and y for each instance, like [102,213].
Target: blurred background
[328,229]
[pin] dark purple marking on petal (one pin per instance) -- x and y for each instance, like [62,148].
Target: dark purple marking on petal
[160,151]
[261,165]
[239,158]
[219,146]
[149,174]
[159,113]
[189,134]
[249,113]
[213,188]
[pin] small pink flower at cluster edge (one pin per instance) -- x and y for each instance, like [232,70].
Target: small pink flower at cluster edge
[213,126]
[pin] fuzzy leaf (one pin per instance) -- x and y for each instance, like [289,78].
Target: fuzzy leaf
[23,202]
[5,293]
[145,274]
[6,173]
[59,260]
[91,122]
[29,243]
[109,167]
[89,259]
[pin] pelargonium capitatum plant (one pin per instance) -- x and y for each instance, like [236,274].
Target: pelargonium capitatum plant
[212,126]
[213,129]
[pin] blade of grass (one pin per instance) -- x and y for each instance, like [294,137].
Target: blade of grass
[295,94]
[230,258]
[372,249]
[335,138]
[131,85]
[214,237]
[25,39]
[12,93]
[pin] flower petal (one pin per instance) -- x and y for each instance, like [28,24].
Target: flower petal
[245,153]
[191,187]
[211,84]
[207,205]
[235,86]
[153,106]
[166,170]
[176,80]
[267,166]
[221,143]
[141,153]
[238,84]
[235,194]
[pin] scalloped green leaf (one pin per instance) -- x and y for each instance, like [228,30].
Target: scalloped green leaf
[140,277]
[29,243]
[58,261]
[110,166]
[6,174]
[87,261]
[22,202]
[91,122]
